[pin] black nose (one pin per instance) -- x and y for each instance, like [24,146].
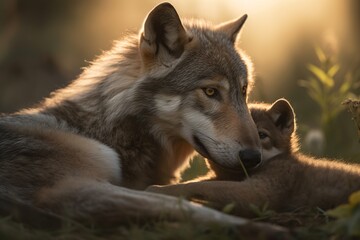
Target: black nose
[250,158]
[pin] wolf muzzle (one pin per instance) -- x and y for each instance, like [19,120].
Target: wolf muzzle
[250,158]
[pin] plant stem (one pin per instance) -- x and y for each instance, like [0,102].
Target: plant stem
[244,169]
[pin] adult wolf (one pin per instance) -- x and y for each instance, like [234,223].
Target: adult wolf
[133,119]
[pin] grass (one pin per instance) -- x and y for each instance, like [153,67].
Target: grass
[342,222]
[9,229]
[304,224]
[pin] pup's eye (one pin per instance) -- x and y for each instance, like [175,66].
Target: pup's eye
[210,92]
[262,135]
[244,90]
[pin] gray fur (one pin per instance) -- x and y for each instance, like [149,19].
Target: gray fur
[104,127]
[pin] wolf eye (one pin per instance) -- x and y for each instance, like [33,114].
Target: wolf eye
[210,92]
[262,135]
[244,90]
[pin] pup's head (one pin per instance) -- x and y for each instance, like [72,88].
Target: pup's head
[197,84]
[276,126]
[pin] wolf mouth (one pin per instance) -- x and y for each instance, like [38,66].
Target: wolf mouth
[202,149]
[205,153]
[234,169]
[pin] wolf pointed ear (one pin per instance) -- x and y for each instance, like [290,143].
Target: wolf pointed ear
[163,37]
[232,28]
[283,115]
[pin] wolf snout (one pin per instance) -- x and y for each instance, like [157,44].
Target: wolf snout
[250,158]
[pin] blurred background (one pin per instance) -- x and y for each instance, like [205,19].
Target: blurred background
[306,51]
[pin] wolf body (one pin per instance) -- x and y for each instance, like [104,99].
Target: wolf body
[286,181]
[133,119]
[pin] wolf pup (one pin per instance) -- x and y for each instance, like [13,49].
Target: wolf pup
[133,119]
[287,179]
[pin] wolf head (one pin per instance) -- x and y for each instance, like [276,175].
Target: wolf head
[276,126]
[197,84]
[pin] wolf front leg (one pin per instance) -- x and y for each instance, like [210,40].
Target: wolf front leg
[101,203]
[221,193]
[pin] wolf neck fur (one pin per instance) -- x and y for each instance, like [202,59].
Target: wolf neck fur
[111,74]
[103,103]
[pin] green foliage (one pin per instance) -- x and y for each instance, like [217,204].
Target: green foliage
[329,84]
[347,224]
[262,212]
[229,208]
[325,90]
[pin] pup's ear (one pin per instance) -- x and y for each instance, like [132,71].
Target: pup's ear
[163,37]
[232,28]
[283,115]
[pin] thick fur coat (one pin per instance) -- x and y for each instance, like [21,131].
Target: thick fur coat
[132,119]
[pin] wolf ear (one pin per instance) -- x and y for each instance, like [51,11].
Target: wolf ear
[163,37]
[283,115]
[232,28]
